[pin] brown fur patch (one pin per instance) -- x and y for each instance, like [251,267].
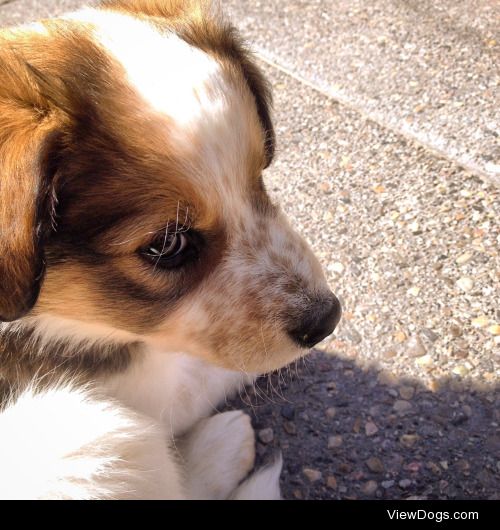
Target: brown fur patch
[25,132]
[24,359]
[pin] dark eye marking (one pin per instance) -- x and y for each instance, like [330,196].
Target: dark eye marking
[171,249]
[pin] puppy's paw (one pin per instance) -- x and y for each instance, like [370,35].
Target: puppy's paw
[219,453]
[263,485]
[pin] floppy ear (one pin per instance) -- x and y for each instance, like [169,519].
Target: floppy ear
[26,131]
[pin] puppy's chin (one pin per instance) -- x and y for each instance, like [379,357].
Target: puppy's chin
[274,361]
[249,360]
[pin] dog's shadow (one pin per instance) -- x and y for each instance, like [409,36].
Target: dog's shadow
[347,432]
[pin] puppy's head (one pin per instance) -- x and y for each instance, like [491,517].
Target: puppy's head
[132,145]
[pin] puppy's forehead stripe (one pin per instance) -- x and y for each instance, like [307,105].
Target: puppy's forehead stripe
[165,70]
[173,77]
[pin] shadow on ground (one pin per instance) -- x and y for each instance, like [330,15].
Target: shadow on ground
[347,432]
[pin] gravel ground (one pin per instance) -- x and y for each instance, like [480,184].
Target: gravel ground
[351,432]
[404,400]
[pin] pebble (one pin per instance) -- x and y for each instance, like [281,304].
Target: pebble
[480,322]
[414,227]
[337,267]
[409,440]
[288,412]
[463,466]
[266,436]
[460,370]
[331,482]
[430,334]
[456,330]
[313,475]
[460,353]
[334,442]
[290,427]
[426,360]
[353,336]
[375,465]
[464,258]
[404,483]
[400,336]
[345,467]
[414,291]
[434,468]
[414,467]
[356,476]
[402,406]
[386,378]
[414,347]
[434,385]
[494,329]
[467,410]
[459,419]
[369,488]
[370,428]
[331,412]
[386,445]
[465,284]
[386,484]
[356,427]
[407,392]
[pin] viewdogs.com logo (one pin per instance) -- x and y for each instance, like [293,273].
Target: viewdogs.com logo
[432,516]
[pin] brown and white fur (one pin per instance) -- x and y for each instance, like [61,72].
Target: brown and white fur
[144,272]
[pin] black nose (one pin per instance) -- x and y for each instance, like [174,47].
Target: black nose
[319,321]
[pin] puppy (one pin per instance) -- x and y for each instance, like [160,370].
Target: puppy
[145,273]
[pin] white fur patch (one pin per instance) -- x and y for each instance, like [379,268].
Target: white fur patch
[176,389]
[66,444]
[264,484]
[173,77]
[219,453]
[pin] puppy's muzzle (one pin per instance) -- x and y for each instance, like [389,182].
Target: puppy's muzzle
[317,322]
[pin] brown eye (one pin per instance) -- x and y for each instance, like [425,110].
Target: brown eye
[170,250]
[171,246]
[166,250]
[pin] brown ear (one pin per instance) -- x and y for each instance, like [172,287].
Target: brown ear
[26,130]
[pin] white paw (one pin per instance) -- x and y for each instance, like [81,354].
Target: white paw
[263,485]
[219,453]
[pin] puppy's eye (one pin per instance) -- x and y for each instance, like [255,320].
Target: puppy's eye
[170,250]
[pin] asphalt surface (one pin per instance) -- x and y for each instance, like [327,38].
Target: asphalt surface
[388,156]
